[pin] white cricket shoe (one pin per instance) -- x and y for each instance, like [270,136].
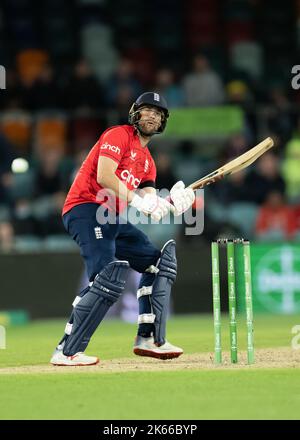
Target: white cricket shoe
[78,359]
[147,347]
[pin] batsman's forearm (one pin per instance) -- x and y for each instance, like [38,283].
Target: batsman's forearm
[113,183]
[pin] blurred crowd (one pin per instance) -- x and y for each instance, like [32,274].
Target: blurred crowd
[52,113]
[53,123]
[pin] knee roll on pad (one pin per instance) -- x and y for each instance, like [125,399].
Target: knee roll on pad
[161,289]
[91,309]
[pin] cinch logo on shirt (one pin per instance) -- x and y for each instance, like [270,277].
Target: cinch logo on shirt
[129,178]
[112,148]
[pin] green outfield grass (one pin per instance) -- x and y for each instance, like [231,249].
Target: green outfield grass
[246,393]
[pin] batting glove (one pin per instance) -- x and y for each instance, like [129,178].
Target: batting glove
[182,197]
[152,205]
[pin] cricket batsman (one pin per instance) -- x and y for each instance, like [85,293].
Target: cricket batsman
[121,164]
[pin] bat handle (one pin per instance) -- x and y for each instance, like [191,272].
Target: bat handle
[172,209]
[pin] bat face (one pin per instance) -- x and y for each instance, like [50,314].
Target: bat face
[235,165]
[214,178]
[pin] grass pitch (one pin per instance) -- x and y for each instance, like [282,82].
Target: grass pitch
[124,386]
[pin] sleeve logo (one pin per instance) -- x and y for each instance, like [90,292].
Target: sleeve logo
[109,147]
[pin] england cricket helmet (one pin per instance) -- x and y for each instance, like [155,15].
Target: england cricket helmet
[152,99]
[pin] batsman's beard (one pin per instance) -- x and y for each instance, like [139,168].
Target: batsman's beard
[143,125]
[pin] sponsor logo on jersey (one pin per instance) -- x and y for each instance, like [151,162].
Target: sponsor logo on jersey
[129,178]
[112,148]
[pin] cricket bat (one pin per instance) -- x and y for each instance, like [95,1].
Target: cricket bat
[234,165]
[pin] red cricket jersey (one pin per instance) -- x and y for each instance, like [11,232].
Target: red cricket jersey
[136,168]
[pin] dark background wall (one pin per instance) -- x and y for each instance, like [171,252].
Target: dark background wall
[45,284]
